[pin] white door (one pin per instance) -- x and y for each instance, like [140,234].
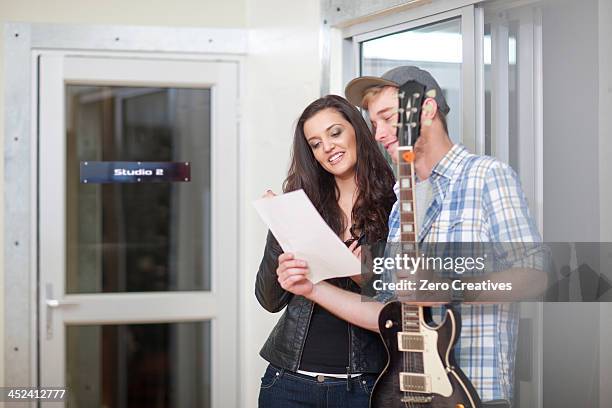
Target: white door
[138,303]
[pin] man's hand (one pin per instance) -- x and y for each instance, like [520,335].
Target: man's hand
[292,274]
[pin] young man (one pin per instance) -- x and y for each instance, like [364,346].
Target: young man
[462,198]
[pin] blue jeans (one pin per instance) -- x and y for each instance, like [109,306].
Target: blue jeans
[285,389]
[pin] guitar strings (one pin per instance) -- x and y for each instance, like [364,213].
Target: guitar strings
[408,357]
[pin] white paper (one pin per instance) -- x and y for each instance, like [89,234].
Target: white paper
[299,229]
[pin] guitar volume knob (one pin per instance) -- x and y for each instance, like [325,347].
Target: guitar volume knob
[389,324]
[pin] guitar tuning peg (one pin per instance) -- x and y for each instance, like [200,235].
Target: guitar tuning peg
[401,95]
[416,95]
[414,110]
[413,124]
[401,110]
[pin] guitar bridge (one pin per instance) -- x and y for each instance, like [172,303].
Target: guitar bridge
[410,342]
[417,399]
[410,382]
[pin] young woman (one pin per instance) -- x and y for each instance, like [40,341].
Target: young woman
[317,359]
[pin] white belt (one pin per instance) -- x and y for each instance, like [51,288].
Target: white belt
[311,374]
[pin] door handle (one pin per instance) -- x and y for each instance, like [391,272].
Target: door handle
[51,304]
[55,303]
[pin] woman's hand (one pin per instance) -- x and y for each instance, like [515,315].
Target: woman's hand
[268,194]
[292,274]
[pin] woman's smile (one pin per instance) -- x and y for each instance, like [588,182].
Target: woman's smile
[336,158]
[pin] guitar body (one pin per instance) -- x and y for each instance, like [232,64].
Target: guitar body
[387,391]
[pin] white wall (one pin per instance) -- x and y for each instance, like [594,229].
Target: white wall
[282,77]
[195,13]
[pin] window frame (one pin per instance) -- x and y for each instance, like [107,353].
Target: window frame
[472,81]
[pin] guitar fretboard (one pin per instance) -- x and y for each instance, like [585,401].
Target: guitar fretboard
[411,314]
[409,228]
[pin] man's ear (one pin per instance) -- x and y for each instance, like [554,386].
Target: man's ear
[429,110]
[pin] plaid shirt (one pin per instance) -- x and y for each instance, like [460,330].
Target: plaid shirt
[478,199]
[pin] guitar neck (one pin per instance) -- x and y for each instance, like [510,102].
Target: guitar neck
[409,229]
[410,100]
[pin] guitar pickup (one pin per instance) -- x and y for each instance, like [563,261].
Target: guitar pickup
[411,382]
[410,342]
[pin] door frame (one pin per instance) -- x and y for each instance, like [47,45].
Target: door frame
[23,43]
[58,69]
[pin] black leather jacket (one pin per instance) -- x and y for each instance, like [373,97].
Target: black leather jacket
[286,341]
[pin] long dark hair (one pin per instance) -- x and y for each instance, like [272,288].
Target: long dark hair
[374,176]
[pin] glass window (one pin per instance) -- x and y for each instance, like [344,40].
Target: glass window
[436,48]
[500,68]
[138,237]
[139,365]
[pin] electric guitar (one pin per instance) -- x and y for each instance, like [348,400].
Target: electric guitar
[421,371]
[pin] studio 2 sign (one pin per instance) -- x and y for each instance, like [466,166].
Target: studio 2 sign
[96,172]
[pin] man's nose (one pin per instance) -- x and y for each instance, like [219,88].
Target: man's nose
[380,134]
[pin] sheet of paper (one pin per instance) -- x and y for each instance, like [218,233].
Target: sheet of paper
[299,228]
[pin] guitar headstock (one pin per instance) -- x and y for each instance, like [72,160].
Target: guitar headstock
[411,96]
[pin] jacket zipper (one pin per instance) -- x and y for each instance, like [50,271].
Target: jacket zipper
[312,305]
[348,367]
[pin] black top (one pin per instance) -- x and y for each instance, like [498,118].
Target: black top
[326,349]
